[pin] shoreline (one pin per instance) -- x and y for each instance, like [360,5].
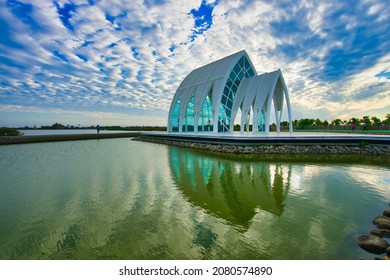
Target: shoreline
[13,140]
[274,149]
[287,148]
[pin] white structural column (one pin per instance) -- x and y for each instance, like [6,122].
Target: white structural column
[263,89]
[237,104]
[258,93]
[288,103]
[217,89]
[276,94]
[278,103]
[199,100]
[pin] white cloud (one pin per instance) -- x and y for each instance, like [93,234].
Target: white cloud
[130,67]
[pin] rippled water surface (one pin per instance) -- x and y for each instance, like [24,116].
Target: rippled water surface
[121,199]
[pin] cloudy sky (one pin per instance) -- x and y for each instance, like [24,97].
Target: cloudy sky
[119,62]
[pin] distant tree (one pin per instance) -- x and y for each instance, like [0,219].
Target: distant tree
[376,120]
[284,123]
[366,119]
[318,122]
[387,119]
[306,122]
[325,122]
[335,122]
[354,121]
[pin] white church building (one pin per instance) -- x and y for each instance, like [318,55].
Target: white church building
[211,97]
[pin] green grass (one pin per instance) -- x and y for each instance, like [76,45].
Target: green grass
[5,131]
[373,131]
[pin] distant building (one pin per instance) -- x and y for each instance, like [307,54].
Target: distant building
[58,126]
[211,97]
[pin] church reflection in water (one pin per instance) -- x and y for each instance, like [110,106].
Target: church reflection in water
[233,190]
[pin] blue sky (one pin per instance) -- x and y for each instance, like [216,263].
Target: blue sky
[119,62]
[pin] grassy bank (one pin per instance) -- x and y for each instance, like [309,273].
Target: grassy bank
[9,140]
[5,131]
[373,131]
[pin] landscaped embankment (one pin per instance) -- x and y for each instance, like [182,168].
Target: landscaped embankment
[9,140]
[290,148]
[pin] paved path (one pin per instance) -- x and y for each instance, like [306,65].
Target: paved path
[295,138]
[9,140]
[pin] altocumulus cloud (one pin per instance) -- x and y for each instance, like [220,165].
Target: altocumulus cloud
[120,62]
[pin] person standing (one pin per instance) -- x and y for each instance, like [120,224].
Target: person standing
[98,129]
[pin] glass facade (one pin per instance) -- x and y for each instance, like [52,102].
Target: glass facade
[189,119]
[175,116]
[261,122]
[241,70]
[205,122]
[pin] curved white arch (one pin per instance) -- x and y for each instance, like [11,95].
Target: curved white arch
[258,93]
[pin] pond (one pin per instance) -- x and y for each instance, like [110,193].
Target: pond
[123,199]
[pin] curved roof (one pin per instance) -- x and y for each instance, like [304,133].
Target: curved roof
[212,71]
[210,78]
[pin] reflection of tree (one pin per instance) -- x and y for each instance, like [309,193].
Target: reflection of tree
[232,190]
[279,191]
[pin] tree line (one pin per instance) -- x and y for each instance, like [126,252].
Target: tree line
[372,122]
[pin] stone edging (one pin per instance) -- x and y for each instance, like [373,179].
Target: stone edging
[375,241]
[275,149]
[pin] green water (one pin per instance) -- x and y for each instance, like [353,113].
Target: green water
[122,199]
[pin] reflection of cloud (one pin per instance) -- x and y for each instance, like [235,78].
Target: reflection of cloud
[120,199]
[365,177]
[355,174]
[74,198]
[231,190]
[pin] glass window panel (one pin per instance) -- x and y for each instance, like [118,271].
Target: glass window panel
[232,77]
[229,104]
[261,122]
[241,62]
[231,95]
[250,72]
[235,79]
[234,88]
[229,82]
[237,68]
[175,116]
[221,110]
[189,117]
[241,75]
[206,120]
[223,99]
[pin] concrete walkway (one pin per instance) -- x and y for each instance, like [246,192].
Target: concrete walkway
[272,138]
[9,140]
[283,138]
